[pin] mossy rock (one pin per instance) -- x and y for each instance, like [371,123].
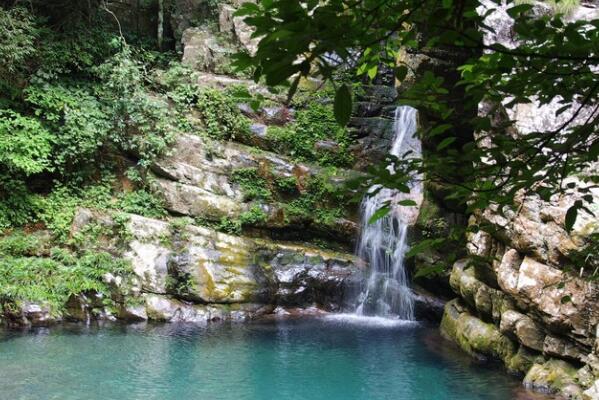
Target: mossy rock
[478,338]
[554,376]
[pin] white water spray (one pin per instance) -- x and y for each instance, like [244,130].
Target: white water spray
[383,244]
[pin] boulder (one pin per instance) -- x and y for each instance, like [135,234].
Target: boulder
[203,51]
[237,28]
[554,376]
[562,348]
[562,302]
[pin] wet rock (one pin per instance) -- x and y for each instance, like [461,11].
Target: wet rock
[33,314]
[379,94]
[366,109]
[307,278]
[133,313]
[427,306]
[85,307]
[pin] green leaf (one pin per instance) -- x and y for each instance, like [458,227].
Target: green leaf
[343,105]
[566,299]
[445,142]
[424,245]
[439,129]
[519,9]
[429,271]
[372,71]
[571,215]
[407,203]
[401,72]
[380,213]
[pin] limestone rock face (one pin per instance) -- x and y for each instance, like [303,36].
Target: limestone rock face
[196,180]
[530,310]
[197,265]
[537,229]
[202,50]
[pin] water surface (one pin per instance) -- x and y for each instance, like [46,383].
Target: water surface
[330,359]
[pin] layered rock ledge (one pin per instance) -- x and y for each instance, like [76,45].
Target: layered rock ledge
[194,274]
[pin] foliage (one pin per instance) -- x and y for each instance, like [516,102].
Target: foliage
[254,186]
[18,33]
[255,215]
[320,201]
[141,122]
[314,123]
[57,209]
[54,279]
[558,6]
[585,262]
[220,115]
[141,202]
[25,145]
[76,119]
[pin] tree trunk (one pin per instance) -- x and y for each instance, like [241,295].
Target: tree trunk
[160,24]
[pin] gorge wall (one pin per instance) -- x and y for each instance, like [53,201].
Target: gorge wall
[520,298]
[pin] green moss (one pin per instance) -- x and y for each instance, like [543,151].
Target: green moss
[320,201]
[475,336]
[286,185]
[554,376]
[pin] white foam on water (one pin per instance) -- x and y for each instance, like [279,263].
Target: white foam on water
[371,321]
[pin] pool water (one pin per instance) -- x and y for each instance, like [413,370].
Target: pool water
[326,358]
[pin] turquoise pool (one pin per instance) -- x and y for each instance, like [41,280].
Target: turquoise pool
[329,358]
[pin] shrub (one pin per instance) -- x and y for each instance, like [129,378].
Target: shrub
[53,280]
[142,203]
[76,119]
[18,33]
[25,145]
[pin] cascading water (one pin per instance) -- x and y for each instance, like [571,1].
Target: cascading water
[383,244]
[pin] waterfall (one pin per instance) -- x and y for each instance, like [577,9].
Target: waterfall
[383,244]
